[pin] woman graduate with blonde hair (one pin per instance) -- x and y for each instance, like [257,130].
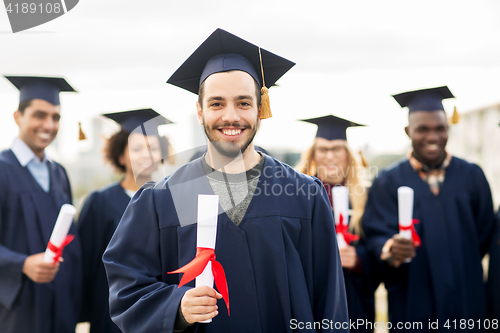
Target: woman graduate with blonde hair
[332,161]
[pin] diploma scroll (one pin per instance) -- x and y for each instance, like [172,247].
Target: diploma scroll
[58,239]
[405,210]
[208,210]
[340,211]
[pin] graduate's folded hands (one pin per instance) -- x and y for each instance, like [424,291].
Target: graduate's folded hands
[199,304]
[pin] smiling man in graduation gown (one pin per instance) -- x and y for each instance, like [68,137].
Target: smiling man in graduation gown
[275,234]
[452,202]
[35,296]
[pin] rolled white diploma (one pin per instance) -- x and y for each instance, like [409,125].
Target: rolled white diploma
[340,206]
[405,210]
[61,229]
[208,210]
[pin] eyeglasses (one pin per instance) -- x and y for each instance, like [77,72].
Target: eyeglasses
[335,150]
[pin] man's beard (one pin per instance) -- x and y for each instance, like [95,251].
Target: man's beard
[230,149]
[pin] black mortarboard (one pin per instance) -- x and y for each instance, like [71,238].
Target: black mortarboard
[223,51]
[424,99]
[131,120]
[46,88]
[331,127]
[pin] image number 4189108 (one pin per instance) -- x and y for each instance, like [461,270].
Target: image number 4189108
[26,14]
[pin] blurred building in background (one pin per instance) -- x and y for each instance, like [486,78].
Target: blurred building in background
[476,138]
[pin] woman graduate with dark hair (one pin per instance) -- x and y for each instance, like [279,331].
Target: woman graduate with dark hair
[332,161]
[135,151]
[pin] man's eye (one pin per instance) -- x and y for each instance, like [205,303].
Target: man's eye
[215,105]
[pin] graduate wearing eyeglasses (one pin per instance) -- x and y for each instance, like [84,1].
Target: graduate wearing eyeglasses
[331,160]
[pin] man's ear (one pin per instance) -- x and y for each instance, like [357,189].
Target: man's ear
[199,113]
[121,158]
[407,131]
[17,117]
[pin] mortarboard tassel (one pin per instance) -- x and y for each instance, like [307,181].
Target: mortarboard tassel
[81,135]
[364,163]
[265,106]
[455,118]
[171,156]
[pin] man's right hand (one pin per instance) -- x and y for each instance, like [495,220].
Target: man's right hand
[399,250]
[38,270]
[199,304]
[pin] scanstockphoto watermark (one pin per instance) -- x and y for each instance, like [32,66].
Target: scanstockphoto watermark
[362,324]
[26,14]
[359,324]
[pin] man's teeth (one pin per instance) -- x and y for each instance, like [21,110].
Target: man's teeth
[433,146]
[44,135]
[231,132]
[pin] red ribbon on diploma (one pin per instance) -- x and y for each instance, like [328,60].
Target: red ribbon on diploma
[59,250]
[342,228]
[415,237]
[196,266]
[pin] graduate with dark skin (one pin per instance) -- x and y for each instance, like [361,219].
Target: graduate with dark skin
[428,132]
[430,277]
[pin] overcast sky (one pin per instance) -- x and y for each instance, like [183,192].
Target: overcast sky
[351,56]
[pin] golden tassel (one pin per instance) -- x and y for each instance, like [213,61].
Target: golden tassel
[81,135]
[455,118]
[364,163]
[265,105]
[171,156]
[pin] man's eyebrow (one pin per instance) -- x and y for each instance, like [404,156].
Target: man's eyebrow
[215,98]
[40,111]
[244,97]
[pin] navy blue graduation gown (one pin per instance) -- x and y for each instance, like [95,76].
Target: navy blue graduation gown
[445,279]
[494,272]
[27,217]
[360,289]
[282,264]
[360,286]
[96,224]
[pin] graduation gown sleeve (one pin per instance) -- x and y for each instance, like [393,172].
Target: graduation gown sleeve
[134,274]
[494,273]
[11,262]
[482,207]
[380,216]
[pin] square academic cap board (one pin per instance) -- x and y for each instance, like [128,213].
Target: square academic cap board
[38,87]
[430,99]
[223,51]
[331,127]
